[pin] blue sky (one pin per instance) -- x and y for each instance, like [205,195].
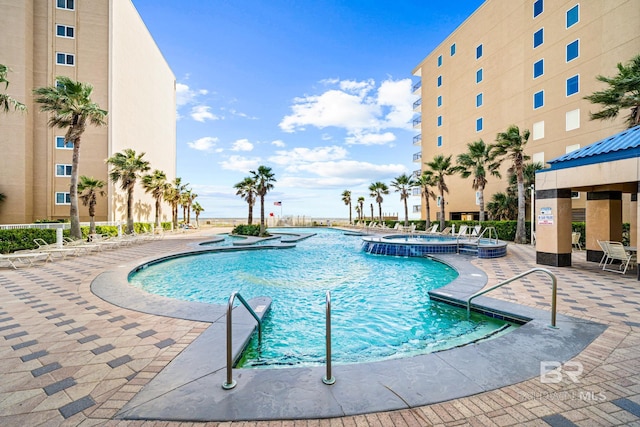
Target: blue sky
[320,91]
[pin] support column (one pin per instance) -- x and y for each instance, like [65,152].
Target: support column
[633,220]
[553,229]
[603,221]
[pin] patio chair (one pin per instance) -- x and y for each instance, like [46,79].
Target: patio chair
[476,231]
[446,231]
[25,258]
[604,245]
[434,228]
[618,253]
[68,242]
[462,232]
[575,240]
[52,249]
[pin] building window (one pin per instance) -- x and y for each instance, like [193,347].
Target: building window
[66,4]
[538,100]
[60,143]
[439,102]
[479,75]
[570,148]
[479,51]
[573,50]
[65,59]
[438,201]
[479,100]
[415,191]
[538,7]
[453,49]
[417,208]
[573,85]
[538,130]
[63,199]
[538,38]
[479,124]
[572,120]
[538,68]
[64,31]
[439,121]
[538,157]
[440,61]
[63,170]
[573,15]
[439,140]
[439,81]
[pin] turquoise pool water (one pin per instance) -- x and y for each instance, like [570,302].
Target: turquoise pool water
[380,304]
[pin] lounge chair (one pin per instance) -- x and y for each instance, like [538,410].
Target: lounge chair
[68,242]
[618,253]
[575,240]
[463,231]
[476,231]
[52,249]
[446,231]
[433,229]
[604,245]
[24,258]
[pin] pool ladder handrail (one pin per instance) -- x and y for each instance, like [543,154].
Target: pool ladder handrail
[230,382]
[491,231]
[328,378]
[554,290]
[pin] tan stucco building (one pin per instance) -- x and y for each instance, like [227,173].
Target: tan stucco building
[527,63]
[103,43]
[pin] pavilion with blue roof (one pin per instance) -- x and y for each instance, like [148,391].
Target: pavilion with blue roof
[605,170]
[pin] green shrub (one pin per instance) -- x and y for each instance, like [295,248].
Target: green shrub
[21,239]
[246,230]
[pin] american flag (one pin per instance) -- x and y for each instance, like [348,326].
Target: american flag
[277,203]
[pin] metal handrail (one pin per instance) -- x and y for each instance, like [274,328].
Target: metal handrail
[554,290]
[490,230]
[328,378]
[230,382]
[470,238]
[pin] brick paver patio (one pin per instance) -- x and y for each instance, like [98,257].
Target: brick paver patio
[70,358]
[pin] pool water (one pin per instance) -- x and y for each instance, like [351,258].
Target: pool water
[380,305]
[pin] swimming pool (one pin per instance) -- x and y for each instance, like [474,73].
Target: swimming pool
[381,307]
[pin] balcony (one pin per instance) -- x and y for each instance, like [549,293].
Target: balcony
[417,122]
[417,173]
[416,191]
[416,87]
[417,140]
[417,157]
[417,105]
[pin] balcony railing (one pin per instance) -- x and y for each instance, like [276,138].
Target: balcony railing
[417,140]
[417,104]
[417,157]
[417,122]
[417,173]
[417,85]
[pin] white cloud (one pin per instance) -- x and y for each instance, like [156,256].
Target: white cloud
[278,143]
[240,164]
[356,107]
[371,138]
[353,169]
[203,144]
[306,155]
[184,95]
[242,145]
[201,113]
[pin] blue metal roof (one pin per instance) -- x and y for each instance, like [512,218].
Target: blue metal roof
[623,145]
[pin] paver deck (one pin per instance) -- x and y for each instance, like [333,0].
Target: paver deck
[69,358]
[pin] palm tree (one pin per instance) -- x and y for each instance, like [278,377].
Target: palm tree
[126,169]
[441,167]
[510,145]
[89,189]
[361,204]
[71,107]
[5,100]
[172,196]
[403,184]
[377,190]
[191,196]
[346,198]
[156,184]
[425,182]
[197,209]
[503,206]
[248,191]
[623,92]
[264,180]
[477,162]
[358,212]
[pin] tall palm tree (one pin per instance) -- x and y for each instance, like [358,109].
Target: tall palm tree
[191,196]
[478,162]
[346,198]
[377,190]
[425,182]
[90,189]
[5,100]
[361,204]
[173,196]
[403,184]
[510,146]
[358,211]
[264,180]
[623,93]
[248,191]
[156,184]
[441,167]
[503,206]
[197,209]
[126,168]
[70,105]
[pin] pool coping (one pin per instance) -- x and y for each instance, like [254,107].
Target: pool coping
[190,387]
